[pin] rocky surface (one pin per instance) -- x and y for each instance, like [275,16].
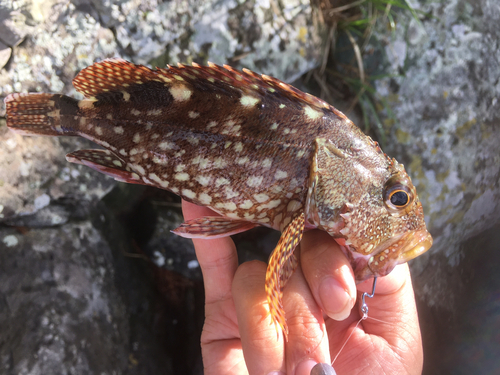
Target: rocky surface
[444,97]
[446,122]
[78,293]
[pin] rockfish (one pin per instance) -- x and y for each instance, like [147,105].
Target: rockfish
[252,148]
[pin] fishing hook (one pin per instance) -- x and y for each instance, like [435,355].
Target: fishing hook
[364,306]
[364,310]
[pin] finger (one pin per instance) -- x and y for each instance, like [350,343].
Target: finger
[221,346]
[393,302]
[307,339]
[263,350]
[392,315]
[390,337]
[387,284]
[217,257]
[328,273]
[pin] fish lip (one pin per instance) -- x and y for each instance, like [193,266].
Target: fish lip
[416,243]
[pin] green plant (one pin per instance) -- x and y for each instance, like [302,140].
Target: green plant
[350,27]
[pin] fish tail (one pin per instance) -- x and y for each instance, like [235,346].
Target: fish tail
[39,114]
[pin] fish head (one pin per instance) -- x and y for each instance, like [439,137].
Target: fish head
[385,227]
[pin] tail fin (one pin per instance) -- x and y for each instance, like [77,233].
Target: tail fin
[38,114]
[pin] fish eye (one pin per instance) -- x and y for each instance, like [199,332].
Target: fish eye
[399,198]
[398,194]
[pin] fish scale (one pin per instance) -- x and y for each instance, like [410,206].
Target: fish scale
[252,148]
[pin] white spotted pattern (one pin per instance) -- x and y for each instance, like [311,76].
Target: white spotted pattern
[205,198]
[203,180]
[279,175]
[248,101]
[181,176]
[254,181]
[189,193]
[180,93]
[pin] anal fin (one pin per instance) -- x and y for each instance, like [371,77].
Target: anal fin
[212,227]
[281,266]
[106,162]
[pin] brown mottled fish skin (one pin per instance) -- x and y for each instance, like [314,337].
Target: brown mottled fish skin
[252,148]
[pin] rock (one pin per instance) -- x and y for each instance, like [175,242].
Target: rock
[444,96]
[13,27]
[444,131]
[280,40]
[5,53]
[73,302]
[60,308]
[34,167]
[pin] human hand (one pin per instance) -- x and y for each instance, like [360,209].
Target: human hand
[239,337]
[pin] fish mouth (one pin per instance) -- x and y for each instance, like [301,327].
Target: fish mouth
[389,254]
[415,243]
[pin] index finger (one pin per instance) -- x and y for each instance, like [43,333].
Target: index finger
[392,312]
[217,257]
[391,333]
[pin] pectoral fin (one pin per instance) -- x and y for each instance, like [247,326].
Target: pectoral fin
[106,162]
[280,269]
[212,227]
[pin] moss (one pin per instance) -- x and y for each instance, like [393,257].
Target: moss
[402,136]
[485,131]
[389,122]
[457,218]
[442,176]
[463,129]
[416,168]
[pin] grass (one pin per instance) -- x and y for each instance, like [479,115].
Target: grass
[350,25]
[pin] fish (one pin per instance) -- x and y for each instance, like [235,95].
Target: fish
[254,149]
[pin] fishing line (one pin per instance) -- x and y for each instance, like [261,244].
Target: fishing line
[364,310]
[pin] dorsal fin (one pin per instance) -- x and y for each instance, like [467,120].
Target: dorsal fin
[111,75]
[117,75]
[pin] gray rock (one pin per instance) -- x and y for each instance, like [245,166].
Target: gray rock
[445,120]
[59,313]
[445,131]
[34,174]
[167,250]
[73,302]
[278,39]
[5,53]
[13,27]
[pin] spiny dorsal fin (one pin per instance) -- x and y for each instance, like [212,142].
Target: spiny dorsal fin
[111,75]
[117,75]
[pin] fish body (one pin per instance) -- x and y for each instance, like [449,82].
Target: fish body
[252,148]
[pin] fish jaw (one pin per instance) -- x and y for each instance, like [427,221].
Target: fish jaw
[417,243]
[390,253]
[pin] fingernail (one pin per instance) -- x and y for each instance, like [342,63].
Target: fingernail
[276,373]
[323,369]
[337,303]
[305,367]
